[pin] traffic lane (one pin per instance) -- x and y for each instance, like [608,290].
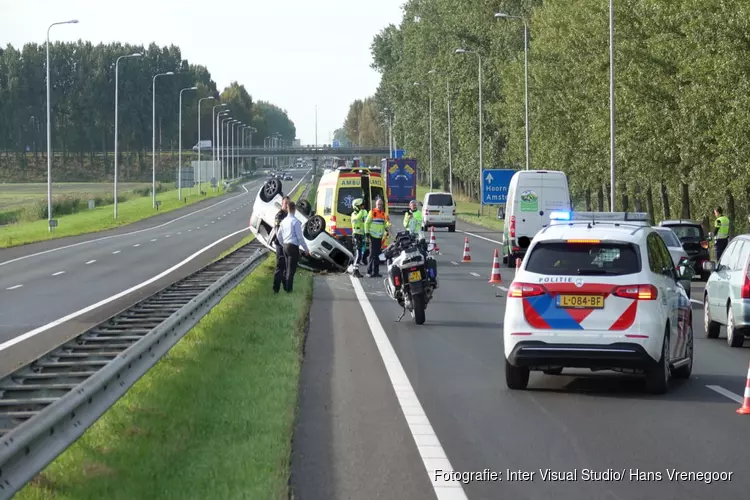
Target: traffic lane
[351,439]
[7,254]
[22,353]
[456,364]
[43,299]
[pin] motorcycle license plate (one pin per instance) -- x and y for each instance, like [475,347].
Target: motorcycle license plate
[415,276]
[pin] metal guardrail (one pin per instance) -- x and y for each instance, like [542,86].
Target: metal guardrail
[48,404]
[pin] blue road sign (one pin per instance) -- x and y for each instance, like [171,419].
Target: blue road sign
[335,144]
[398,153]
[495,183]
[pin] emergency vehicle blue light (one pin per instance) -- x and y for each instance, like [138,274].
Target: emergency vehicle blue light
[559,215]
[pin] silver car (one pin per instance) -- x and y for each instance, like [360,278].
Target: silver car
[674,246]
[726,300]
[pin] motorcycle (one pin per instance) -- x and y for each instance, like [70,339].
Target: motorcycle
[412,274]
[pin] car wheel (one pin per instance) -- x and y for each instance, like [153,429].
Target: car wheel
[710,326]
[314,227]
[516,377]
[270,189]
[304,207]
[684,371]
[553,371]
[452,229]
[657,378]
[735,336]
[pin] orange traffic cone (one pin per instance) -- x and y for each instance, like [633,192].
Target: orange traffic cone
[495,276]
[745,408]
[433,241]
[467,251]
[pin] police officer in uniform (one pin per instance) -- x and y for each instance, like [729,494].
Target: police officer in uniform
[721,232]
[375,227]
[279,275]
[359,216]
[413,218]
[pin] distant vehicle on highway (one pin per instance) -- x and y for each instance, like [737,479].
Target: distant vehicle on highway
[288,177]
[400,176]
[599,290]
[532,196]
[726,298]
[439,210]
[203,145]
[694,241]
[325,251]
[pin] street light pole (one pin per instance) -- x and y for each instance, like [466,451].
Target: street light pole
[481,154]
[179,147]
[612,105]
[117,101]
[450,158]
[49,131]
[214,140]
[153,139]
[224,142]
[200,167]
[502,15]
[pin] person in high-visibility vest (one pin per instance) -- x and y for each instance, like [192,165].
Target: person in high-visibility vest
[358,229]
[375,226]
[721,237]
[413,218]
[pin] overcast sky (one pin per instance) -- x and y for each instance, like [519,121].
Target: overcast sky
[293,53]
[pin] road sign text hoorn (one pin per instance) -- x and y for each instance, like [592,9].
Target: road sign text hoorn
[495,185]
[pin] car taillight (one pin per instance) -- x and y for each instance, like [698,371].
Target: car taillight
[637,292]
[512,226]
[397,280]
[523,290]
[704,244]
[745,292]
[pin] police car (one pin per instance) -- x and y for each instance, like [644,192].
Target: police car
[599,290]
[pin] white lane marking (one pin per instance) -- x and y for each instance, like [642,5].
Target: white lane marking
[123,234]
[90,262]
[205,225]
[167,236]
[137,245]
[180,232]
[73,315]
[454,262]
[502,288]
[116,252]
[14,287]
[153,240]
[726,393]
[213,222]
[480,237]
[475,274]
[58,273]
[190,230]
[428,444]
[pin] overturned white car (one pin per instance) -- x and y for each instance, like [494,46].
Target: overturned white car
[325,251]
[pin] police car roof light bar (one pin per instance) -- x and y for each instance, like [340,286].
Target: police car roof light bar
[594,217]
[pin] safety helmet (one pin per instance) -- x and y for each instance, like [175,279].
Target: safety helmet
[358,203]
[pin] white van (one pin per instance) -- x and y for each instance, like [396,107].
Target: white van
[532,196]
[439,210]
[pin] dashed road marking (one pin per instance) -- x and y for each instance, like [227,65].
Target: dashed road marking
[475,274]
[58,273]
[90,262]
[116,252]
[726,393]
[454,262]
[213,222]
[137,245]
[153,240]
[190,230]
[167,236]
[14,287]
[179,232]
[205,225]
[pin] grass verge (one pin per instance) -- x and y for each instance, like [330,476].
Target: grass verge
[212,420]
[467,211]
[99,219]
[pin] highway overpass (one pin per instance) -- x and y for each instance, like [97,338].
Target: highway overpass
[311,151]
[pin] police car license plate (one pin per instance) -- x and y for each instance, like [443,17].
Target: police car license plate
[415,276]
[580,301]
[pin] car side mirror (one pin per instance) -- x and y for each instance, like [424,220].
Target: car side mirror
[709,266]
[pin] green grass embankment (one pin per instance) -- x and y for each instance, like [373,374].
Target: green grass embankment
[212,420]
[467,210]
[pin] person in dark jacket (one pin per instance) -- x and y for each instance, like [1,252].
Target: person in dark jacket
[279,275]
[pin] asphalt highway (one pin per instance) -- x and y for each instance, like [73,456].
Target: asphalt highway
[37,288]
[352,428]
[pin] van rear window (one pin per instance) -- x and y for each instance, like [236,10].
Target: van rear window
[346,197]
[440,200]
[584,259]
